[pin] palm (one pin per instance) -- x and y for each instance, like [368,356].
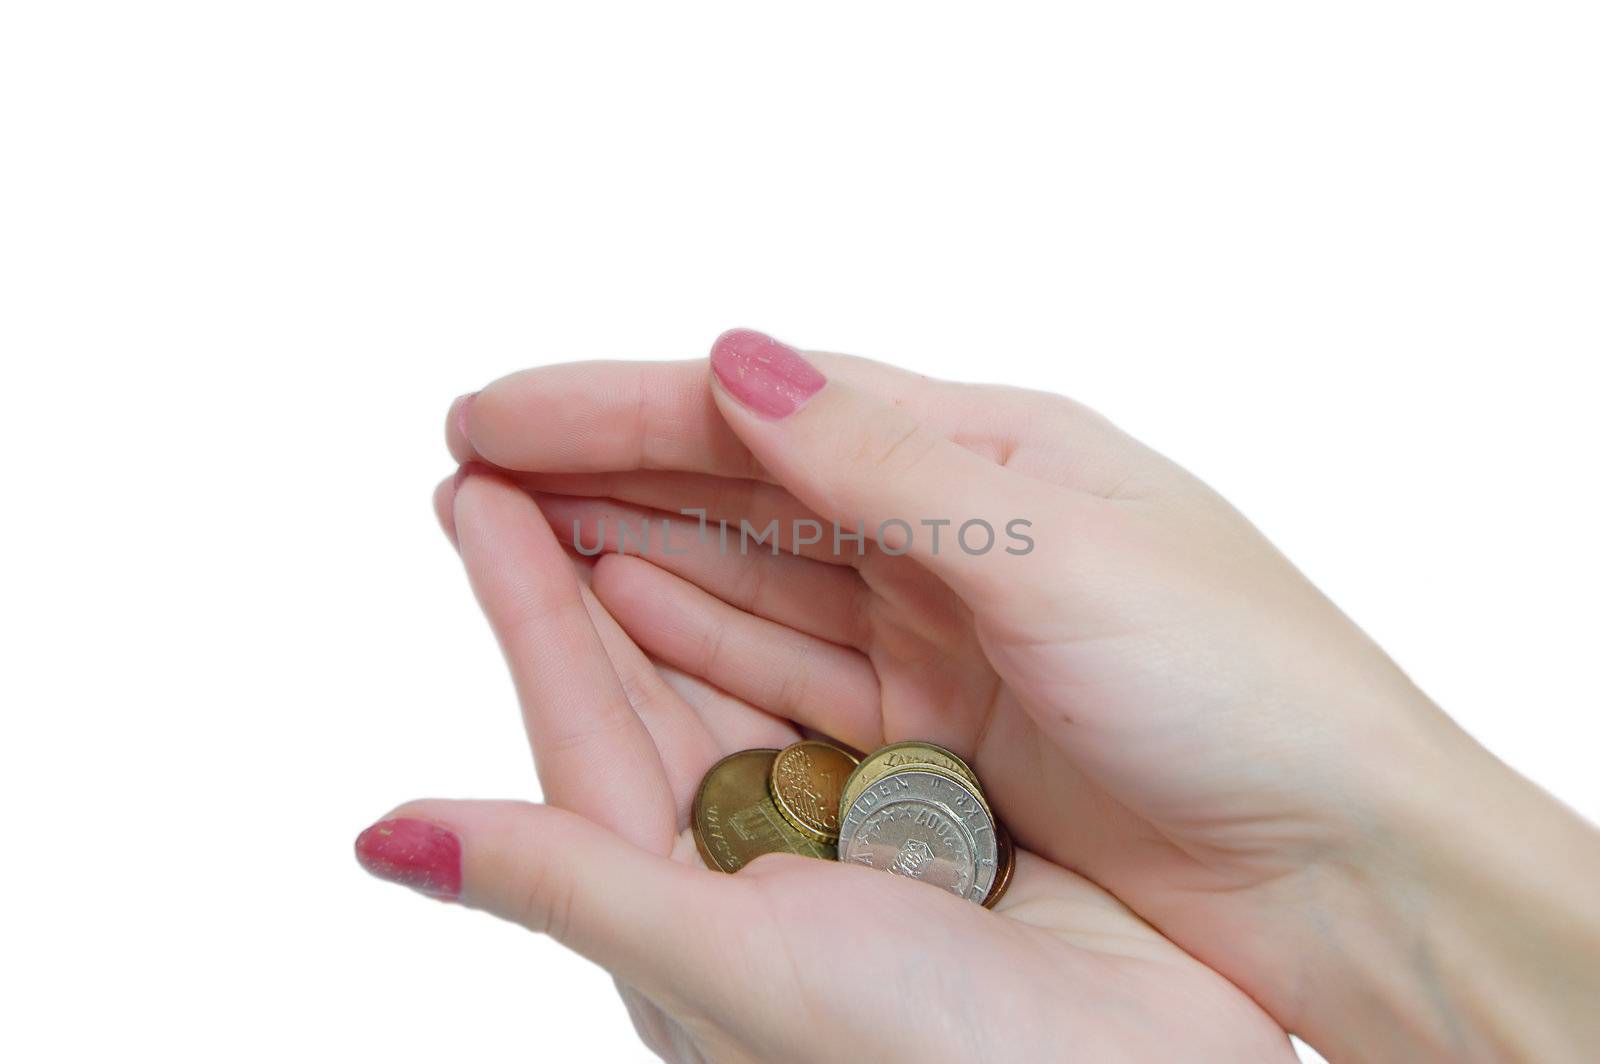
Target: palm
[1058,949]
[900,970]
[917,665]
[1097,731]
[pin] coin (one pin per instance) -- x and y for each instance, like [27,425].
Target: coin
[1007,860]
[807,779]
[924,824]
[734,820]
[901,755]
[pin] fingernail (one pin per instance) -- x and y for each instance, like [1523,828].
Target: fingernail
[770,378]
[463,404]
[413,853]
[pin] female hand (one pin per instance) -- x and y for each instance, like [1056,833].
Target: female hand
[791,959]
[1154,697]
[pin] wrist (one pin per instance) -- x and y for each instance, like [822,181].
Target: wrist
[1459,922]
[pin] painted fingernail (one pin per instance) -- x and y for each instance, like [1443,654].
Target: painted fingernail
[463,404]
[770,378]
[414,853]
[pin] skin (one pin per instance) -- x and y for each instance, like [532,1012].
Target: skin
[1171,719]
[718,967]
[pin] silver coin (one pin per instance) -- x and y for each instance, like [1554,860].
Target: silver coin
[923,825]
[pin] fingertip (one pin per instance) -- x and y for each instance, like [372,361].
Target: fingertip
[474,483]
[621,581]
[509,417]
[476,511]
[414,852]
[489,504]
[457,431]
[444,504]
[765,376]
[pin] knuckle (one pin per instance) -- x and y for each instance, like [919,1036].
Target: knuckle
[751,584]
[796,680]
[892,447]
[529,607]
[547,904]
[711,658]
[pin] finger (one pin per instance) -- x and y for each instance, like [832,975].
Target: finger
[444,503]
[594,755]
[595,416]
[455,432]
[863,462]
[607,416]
[639,915]
[444,506]
[685,745]
[691,722]
[788,673]
[827,601]
[726,510]
[734,723]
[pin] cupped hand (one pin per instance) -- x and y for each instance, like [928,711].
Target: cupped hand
[1154,697]
[792,958]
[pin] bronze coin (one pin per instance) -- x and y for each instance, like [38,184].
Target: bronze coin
[734,820]
[807,781]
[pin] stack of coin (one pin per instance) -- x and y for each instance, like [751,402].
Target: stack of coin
[917,810]
[912,809]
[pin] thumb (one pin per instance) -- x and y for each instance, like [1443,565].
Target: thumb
[870,467]
[640,916]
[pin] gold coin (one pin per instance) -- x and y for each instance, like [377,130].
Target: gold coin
[734,820]
[1007,862]
[807,780]
[881,762]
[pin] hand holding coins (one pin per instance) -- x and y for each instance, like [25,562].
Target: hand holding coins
[912,809]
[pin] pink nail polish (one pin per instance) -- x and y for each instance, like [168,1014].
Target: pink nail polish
[413,853]
[768,377]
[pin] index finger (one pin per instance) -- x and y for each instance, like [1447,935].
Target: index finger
[598,417]
[594,417]
[594,755]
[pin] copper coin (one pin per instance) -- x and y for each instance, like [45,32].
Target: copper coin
[1007,862]
[807,781]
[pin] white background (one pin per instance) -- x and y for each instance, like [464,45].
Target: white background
[1341,260]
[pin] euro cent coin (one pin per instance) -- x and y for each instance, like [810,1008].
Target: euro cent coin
[734,820]
[924,824]
[807,781]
